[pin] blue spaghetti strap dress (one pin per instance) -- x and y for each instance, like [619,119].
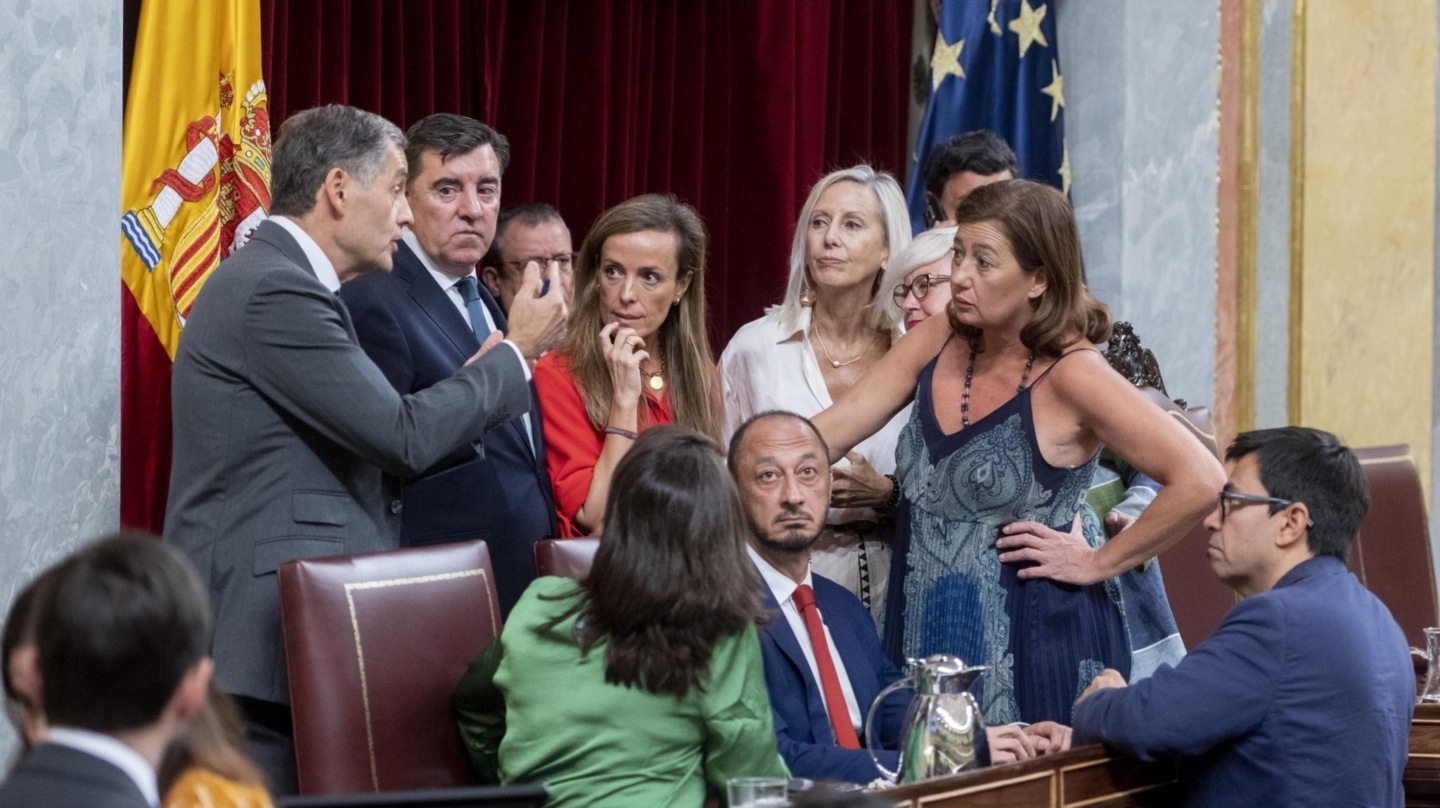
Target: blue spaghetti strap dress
[1043,641]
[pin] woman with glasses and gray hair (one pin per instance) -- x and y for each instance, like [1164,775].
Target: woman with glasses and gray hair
[919,278]
[834,324]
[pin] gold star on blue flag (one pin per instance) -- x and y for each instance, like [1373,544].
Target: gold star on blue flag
[1006,79]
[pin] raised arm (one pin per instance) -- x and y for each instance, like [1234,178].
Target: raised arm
[882,391]
[1116,413]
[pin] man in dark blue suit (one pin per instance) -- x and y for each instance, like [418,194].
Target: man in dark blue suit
[427,317]
[778,460]
[1304,694]
[122,630]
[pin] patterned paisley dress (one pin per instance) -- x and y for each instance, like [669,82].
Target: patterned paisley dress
[1043,641]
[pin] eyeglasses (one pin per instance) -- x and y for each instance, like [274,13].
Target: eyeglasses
[1275,504]
[564,259]
[921,287]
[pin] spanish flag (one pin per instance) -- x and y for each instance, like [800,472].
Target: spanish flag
[195,183]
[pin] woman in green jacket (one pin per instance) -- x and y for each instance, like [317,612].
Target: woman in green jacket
[643,683]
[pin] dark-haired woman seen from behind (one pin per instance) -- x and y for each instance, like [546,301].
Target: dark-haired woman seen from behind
[636,353]
[643,683]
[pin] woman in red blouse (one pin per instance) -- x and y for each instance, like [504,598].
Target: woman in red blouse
[636,354]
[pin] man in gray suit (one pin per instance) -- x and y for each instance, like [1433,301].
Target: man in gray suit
[289,442]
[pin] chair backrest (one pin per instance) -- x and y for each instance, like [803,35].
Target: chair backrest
[1391,556]
[567,558]
[374,646]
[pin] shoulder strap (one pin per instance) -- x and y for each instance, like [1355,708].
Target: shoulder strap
[1042,376]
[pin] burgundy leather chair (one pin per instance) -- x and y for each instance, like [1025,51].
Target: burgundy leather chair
[1391,556]
[374,646]
[566,558]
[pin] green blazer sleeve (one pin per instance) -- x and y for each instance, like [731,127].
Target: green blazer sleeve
[480,713]
[740,733]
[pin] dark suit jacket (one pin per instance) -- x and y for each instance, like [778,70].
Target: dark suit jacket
[58,776]
[409,326]
[1302,696]
[290,442]
[802,727]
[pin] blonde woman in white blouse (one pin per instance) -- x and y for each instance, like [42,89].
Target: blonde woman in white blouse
[812,348]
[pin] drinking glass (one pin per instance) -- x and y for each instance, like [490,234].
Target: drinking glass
[758,792]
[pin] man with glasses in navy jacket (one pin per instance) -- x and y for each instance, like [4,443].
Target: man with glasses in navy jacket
[1304,694]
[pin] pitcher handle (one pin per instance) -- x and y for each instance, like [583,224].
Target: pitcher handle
[898,684]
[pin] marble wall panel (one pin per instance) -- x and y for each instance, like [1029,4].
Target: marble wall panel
[1171,166]
[60,110]
[1272,276]
[1091,33]
[1141,121]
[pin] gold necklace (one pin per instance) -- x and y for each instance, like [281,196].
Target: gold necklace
[655,380]
[835,363]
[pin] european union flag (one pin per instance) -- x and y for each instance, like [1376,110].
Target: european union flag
[995,66]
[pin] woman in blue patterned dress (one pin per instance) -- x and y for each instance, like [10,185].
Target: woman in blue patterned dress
[994,560]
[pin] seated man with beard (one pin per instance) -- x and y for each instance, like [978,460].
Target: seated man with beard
[823,663]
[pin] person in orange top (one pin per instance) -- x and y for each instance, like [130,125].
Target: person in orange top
[636,354]
[205,767]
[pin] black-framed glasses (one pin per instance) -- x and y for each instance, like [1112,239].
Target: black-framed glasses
[565,260]
[921,287]
[1275,504]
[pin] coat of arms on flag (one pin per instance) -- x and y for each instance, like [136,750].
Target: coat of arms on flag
[195,182]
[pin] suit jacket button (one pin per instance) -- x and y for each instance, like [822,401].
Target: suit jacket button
[396,505]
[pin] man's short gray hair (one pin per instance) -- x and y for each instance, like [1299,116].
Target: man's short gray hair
[316,140]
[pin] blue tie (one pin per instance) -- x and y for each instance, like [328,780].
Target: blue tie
[470,293]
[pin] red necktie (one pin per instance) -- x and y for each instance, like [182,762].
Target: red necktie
[804,599]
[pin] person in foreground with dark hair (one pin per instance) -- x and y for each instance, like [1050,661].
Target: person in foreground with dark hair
[997,561]
[643,683]
[1305,693]
[822,630]
[123,631]
[19,656]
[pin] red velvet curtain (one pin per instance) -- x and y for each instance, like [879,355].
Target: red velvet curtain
[735,106]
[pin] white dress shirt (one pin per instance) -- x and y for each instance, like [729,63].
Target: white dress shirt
[783,588]
[769,367]
[319,262]
[112,751]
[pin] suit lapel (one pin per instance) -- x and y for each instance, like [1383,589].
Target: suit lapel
[434,301]
[536,439]
[493,306]
[780,633]
[436,304]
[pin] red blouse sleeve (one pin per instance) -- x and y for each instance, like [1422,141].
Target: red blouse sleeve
[572,444]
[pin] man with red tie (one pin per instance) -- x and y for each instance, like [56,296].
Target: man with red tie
[823,663]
